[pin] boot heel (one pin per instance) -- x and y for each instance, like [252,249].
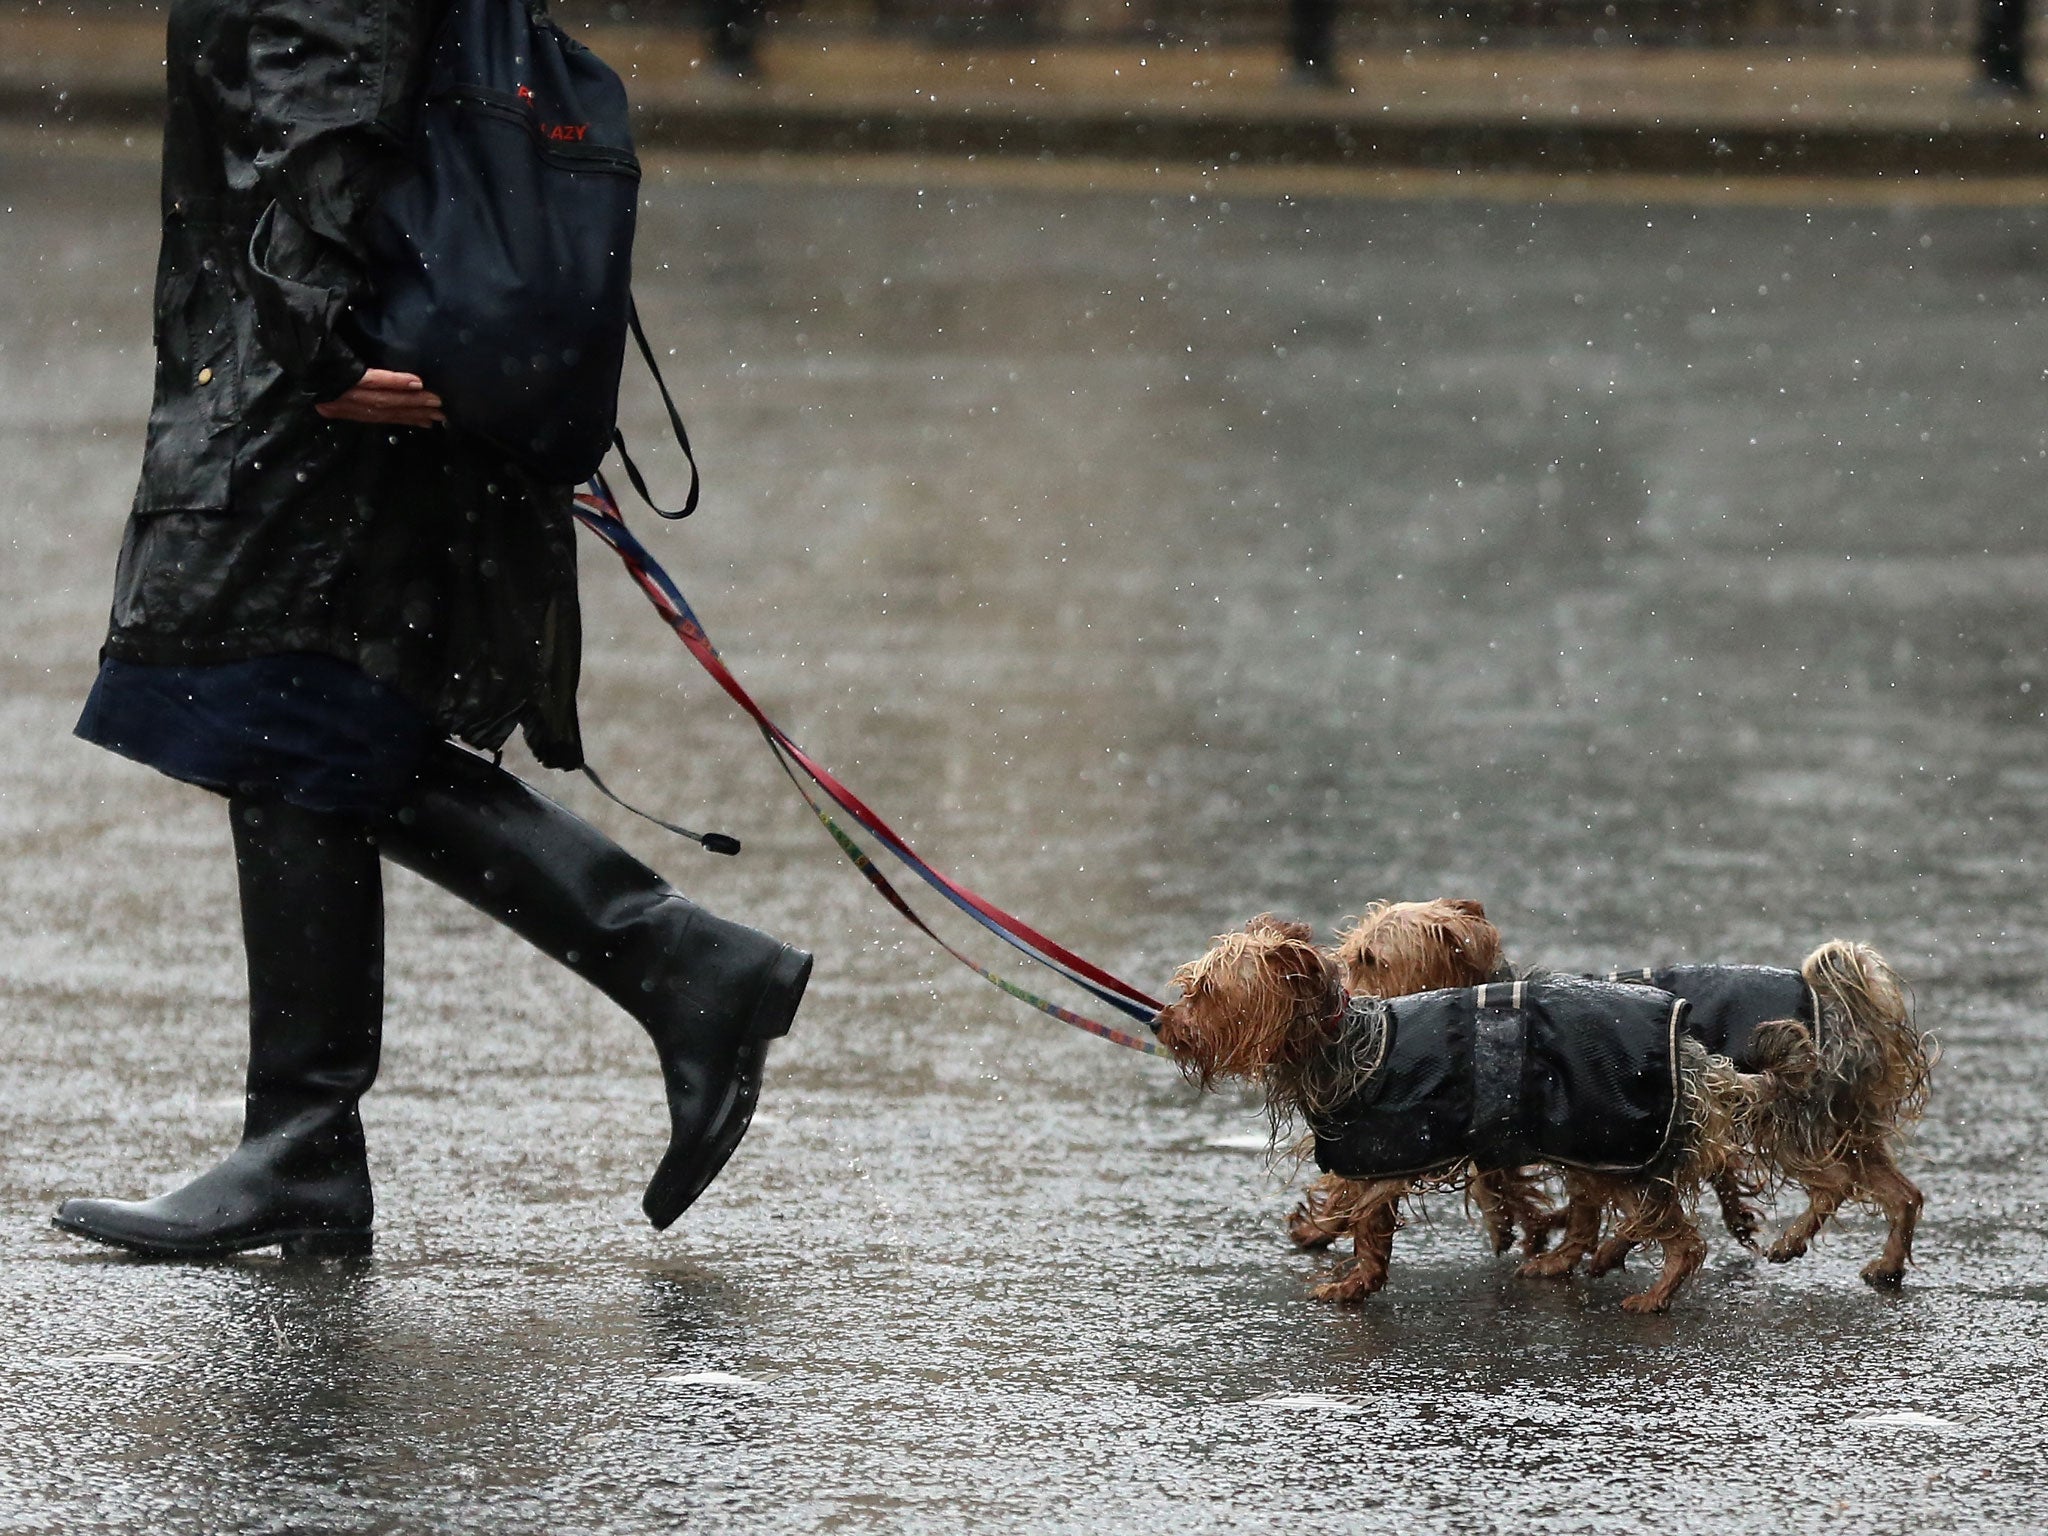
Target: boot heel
[787,977]
[327,1245]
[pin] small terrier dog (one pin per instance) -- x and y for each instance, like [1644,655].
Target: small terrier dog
[1405,947]
[1266,1005]
[1437,945]
[1851,1070]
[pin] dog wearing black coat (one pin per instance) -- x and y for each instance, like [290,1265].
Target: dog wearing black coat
[1851,1069]
[1596,1079]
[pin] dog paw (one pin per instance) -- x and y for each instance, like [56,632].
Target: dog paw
[1645,1304]
[1883,1274]
[1348,1292]
[1549,1266]
[1785,1250]
[1607,1258]
[1307,1232]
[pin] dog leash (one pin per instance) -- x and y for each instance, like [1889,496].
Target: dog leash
[598,510]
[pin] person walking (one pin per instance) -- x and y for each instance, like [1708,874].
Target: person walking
[327,605]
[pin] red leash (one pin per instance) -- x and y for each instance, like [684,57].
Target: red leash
[599,512]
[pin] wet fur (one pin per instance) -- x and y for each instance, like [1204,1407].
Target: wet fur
[1832,1116]
[1717,1108]
[1837,1136]
[1264,1004]
[1396,949]
[1831,1122]
[1270,997]
[1402,947]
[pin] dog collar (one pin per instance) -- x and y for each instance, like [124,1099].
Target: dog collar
[1333,1026]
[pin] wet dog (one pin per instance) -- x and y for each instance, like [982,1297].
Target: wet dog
[1417,1093]
[1851,1071]
[1435,945]
[1403,947]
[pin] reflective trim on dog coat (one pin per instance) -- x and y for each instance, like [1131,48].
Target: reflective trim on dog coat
[1556,1069]
[1730,1001]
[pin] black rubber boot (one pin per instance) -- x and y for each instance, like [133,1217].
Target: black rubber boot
[711,994]
[313,929]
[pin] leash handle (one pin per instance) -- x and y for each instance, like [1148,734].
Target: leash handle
[675,421]
[710,842]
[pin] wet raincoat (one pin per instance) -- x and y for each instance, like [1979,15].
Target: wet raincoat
[1730,1001]
[259,527]
[1551,1070]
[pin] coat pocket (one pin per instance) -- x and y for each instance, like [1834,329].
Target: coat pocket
[189,453]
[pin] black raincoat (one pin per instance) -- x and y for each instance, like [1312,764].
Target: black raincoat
[1550,1070]
[260,527]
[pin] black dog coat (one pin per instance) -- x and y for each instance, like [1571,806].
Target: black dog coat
[1556,1069]
[1730,1001]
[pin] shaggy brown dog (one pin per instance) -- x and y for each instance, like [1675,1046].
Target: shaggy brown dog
[1264,1004]
[1848,1088]
[1838,1140]
[1420,946]
[1400,947]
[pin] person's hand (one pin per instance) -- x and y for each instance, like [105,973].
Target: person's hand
[384,398]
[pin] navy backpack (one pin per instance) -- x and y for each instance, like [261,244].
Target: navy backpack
[502,258]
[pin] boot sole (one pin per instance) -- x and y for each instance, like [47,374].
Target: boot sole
[299,1243]
[781,994]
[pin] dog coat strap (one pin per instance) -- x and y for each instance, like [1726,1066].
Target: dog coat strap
[1499,1049]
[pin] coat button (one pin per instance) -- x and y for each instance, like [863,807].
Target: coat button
[206,375]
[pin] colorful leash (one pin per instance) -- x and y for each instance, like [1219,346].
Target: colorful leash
[598,510]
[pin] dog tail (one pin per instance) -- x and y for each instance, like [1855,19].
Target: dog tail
[1861,982]
[1785,1062]
[1869,1005]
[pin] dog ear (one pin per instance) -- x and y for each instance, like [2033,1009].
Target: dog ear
[1266,922]
[1474,940]
[1466,905]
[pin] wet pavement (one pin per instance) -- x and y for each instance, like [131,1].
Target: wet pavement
[1670,576]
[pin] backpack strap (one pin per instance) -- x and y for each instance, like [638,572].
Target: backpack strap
[675,421]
